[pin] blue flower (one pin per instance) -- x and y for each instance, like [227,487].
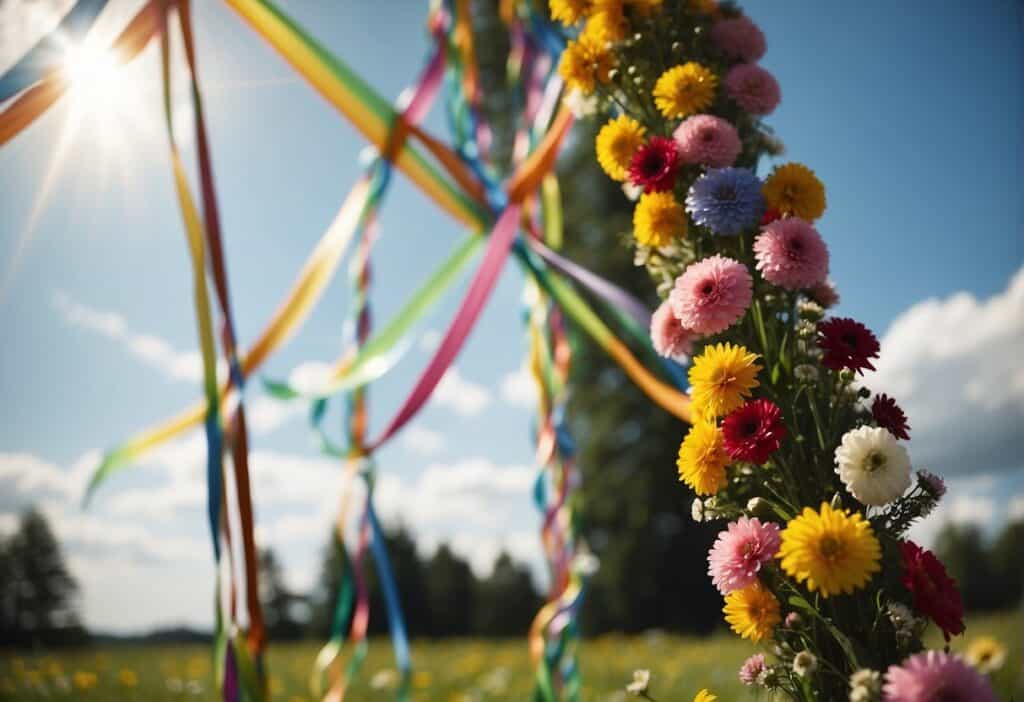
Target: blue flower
[726,200]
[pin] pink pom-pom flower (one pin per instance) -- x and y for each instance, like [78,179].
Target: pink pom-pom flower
[740,551]
[739,38]
[753,88]
[708,140]
[668,336]
[752,668]
[712,294]
[790,253]
[936,675]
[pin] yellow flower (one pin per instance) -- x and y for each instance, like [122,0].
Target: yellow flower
[833,550]
[721,378]
[752,612]
[705,696]
[793,189]
[607,22]
[986,654]
[569,12]
[704,7]
[84,680]
[658,218]
[585,63]
[685,90]
[128,678]
[646,7]
[616,143]
[702,459]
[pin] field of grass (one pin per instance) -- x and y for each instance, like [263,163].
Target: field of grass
[463,671]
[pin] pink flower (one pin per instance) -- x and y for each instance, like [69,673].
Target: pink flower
[739,38]
[739,553]
[712,294]
[751,669]
[791,254]
[825,294]
[753,88]
[936,675]
[708,140]
[670,338]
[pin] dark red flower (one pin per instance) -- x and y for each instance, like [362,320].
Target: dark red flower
[824,294]
[654,165]
[847,344]
[754,431]
[888,415]
[935,593]
[770,215]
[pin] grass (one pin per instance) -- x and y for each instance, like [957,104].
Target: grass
[449,671]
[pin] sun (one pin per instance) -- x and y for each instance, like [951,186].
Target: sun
[95,79]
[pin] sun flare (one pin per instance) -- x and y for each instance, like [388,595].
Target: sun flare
[94,78]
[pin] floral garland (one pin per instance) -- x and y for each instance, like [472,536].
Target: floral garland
[814,481]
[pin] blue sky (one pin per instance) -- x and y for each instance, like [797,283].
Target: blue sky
[909,113]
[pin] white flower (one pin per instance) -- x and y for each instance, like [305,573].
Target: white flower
[865,685]
[585,563]
[804,663]
[873,465]
[697,510]
[641,680]
[805,373]
[581,105]
[384,679]
[631,191]
[903,620]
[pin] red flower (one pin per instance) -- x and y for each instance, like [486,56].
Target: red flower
[654,165]
[888,415]
[847,344]
[770,215]
[754,431]
[935,593]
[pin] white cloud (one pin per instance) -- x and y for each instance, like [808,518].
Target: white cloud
[1015,509]
[461,395]
[152,350]
[430,340]
[422,441]
[954,366]
[519,389]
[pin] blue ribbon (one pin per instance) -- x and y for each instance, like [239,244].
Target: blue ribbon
[396,622]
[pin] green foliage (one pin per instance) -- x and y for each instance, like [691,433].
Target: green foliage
[282,608]
[989,574]
[37,591]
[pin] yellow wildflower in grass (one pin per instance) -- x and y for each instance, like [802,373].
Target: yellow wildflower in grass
[702,459]
[616,143]
[128,678]
[752,612]
[569,12]
[585,63]
[84,680]
[721,379]
[422,679]
[685,90]
[793,189]
[705,696]
[607,22]
[658,219]
[986,654]
[833,550]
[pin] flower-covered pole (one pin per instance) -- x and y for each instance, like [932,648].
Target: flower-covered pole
[803,464]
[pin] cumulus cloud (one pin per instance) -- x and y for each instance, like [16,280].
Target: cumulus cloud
[423,441]
[954,366]
[519,389]
[462,396]
[152,350]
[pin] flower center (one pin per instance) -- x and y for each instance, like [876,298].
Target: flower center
[874,461]
[726,193]
[849,340]
[707,136]
[749,428]
[830,548]
[707,288]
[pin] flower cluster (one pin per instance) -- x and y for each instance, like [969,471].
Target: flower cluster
[808,467]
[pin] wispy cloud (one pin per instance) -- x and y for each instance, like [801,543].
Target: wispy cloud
[461,395]
[519,389]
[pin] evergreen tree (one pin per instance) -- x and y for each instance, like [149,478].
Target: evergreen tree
[410,580]
[1008,564]
[506,601]
[39,590]
[279,603]
[451,586]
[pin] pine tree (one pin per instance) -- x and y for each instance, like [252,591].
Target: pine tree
[279,603]
[506,601]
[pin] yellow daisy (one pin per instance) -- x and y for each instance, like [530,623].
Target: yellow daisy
[834,551]
[569,12]
[607,22]
[658,218]
[721,379]
[752,612]
[702,459]
[705,696]
[585,63]
[986,654]
[685,90]
[616,143]
[793,189]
